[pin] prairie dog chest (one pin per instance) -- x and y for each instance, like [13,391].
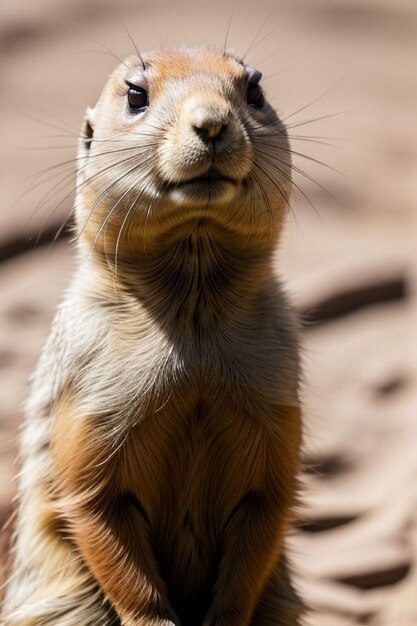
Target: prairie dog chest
[196,458]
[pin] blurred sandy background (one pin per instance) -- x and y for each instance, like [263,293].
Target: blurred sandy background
[349,256]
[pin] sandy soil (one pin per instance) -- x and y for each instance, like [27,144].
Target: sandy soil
[348,258]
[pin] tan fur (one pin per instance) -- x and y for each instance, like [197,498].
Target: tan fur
[161,446]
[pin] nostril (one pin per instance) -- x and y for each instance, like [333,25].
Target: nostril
[210,131]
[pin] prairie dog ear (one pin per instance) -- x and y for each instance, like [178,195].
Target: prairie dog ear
[87,131]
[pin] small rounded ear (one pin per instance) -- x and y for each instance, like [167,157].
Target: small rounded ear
[87,131]
[254,75]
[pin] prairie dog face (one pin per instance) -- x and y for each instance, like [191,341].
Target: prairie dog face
[187,136]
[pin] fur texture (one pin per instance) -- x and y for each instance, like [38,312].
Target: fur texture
[161,444]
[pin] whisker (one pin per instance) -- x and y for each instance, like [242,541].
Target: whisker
[61,228]
[312,140]
[148,212]
[254,127]
[74,191]
[266,36]
[311,137]
[104,225]
[265,199]
[316,119]
[105,169]
[289,178]
[302,156]
[40,184]
[252,204]
[42,122]
[111,212]
[314,160]
[105,192]
[76,159]
[63,123]
[229,24]
[253,43]
[309,104]
[275,184]
[56,188]
[277,73]
[45,198]
[134,45]
[95,139]
[260,62]
[109,50]
[36,148]
[119,235]
[297,169]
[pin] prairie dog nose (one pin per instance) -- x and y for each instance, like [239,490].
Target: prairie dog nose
[209,120]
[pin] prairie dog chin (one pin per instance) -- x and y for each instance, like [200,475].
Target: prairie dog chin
[162,434]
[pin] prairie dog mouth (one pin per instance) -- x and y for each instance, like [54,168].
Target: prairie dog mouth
[204,190]
[209,179]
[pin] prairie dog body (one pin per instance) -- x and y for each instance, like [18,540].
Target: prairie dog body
[162,436]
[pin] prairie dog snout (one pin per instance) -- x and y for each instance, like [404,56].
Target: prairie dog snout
[208,138]
[207,117]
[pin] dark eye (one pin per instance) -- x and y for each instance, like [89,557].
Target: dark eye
[137,98]
[254,95]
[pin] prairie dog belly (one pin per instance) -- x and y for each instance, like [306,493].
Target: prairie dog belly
[188,475]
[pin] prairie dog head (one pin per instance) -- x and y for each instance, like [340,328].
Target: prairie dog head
[185,138]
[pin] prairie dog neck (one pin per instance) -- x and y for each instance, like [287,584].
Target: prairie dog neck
[198,281]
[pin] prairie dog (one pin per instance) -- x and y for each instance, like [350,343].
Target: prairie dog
[162,434]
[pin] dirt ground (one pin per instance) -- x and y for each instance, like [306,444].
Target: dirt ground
[342,73]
